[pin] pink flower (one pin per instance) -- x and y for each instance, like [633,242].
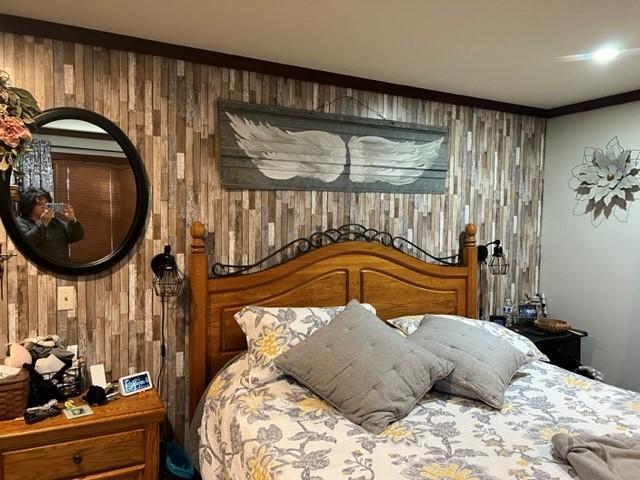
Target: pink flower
[12,130]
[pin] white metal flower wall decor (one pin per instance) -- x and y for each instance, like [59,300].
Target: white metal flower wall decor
[605,182]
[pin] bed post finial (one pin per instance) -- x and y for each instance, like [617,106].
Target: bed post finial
[470,260]
[197,234]
[197,315]
[470,235]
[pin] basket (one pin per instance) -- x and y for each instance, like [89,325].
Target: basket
[14,395]
[68,382]
[553,326]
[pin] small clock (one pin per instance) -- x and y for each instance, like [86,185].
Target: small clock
[138,382]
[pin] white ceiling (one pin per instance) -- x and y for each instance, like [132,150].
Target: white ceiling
[496,49]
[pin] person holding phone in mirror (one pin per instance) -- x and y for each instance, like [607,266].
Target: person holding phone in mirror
[51,227]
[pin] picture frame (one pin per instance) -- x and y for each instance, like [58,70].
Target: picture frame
[260,145]
[527,313]
[76,412]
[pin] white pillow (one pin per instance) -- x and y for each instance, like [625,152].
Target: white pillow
[409,324]
[271,331]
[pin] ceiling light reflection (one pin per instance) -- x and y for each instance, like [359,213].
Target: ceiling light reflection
[605,54]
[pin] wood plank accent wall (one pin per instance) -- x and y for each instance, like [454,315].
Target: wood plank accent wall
[167,108]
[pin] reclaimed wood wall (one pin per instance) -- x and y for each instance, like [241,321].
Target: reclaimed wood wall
[167,107]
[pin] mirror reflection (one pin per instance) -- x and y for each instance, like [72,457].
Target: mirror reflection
[74,198]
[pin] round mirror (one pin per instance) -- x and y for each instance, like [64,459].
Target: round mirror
[78,201]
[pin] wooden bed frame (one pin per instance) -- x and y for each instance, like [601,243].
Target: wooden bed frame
[395,283]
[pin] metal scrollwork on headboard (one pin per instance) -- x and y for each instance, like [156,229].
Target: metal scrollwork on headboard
[345,233]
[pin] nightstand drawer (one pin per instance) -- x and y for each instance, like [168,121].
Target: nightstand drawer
[72,459]
[129,473]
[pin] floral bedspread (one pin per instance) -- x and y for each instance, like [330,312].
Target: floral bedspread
[283,431]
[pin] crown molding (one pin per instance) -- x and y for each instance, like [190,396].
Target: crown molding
[617,99]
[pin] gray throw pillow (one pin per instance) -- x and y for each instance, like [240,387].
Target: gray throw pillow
[362,367]
[484,363]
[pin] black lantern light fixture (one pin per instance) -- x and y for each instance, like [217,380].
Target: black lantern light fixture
[498,265]
[167,283]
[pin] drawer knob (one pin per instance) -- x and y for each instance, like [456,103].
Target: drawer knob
[77,459]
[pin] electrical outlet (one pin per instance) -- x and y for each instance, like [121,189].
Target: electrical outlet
[66,298]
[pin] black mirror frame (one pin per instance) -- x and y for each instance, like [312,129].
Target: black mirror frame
[142,199]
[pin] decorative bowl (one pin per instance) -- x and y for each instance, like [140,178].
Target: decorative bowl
[551,325]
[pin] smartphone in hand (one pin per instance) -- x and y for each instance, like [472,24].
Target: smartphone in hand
[56,207]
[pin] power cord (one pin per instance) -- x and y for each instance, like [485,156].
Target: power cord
[163,347]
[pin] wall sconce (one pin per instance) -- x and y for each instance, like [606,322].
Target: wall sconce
[498,265]
[167,282]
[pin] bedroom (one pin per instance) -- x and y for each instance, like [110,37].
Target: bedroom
[166,106]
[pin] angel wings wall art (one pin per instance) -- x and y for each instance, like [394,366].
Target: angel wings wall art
[264,147]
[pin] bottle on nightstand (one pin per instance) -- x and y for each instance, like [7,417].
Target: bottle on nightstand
[507,311]
[543,305]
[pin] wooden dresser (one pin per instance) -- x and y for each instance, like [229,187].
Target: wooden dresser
[118,442]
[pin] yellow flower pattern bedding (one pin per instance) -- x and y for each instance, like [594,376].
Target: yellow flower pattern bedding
[282,431]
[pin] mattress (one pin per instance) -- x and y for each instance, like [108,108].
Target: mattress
[282,431]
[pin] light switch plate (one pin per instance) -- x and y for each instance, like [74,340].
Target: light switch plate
[66,298]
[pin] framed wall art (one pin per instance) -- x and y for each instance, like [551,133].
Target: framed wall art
[266,147]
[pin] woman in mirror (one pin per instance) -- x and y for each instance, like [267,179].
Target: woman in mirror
[50,227]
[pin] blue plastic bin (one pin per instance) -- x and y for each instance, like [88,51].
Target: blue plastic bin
[176,463]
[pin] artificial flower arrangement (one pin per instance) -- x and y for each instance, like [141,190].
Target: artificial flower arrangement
[17,111]
[606,182]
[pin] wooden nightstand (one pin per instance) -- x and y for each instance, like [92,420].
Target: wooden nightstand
[118,442]
[563,349]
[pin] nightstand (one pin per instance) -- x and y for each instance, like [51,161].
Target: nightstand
[118,442]
[563,349]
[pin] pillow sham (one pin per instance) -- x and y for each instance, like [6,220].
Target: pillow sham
[368,372]
[409,324]
[484,363]
[270,331]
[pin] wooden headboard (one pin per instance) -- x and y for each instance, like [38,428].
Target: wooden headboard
[394,282]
